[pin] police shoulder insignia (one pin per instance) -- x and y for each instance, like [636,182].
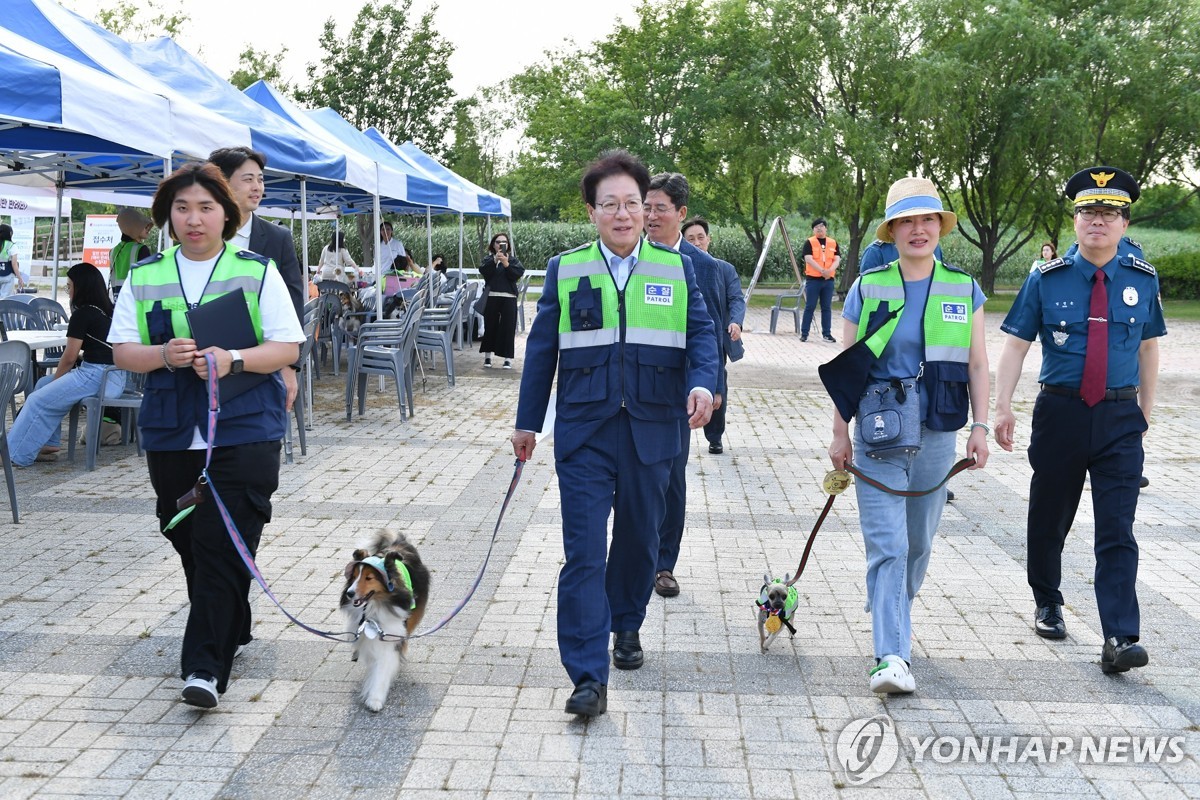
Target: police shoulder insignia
[152,259]
[1136,244]
[1055,264]
[250,255]
[880,268]
[1137,263]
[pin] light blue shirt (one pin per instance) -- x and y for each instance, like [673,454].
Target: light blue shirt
[620,268]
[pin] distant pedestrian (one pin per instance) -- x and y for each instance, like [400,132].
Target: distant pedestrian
[501,271]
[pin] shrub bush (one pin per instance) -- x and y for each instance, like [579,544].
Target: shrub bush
[1179,276]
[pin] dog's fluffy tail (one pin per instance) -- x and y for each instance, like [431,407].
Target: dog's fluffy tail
[385,539]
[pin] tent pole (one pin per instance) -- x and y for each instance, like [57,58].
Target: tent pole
[378,255]
[460,249]
[304,226]
[429,247]
[58,193]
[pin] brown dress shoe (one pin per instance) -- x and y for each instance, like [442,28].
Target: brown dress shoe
[665,584]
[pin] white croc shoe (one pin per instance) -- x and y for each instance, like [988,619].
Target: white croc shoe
[892,676]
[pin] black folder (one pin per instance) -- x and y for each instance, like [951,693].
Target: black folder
[225,323]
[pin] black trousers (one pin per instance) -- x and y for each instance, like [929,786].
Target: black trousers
[500,327]
[245,476]
[1104,442]
[715,428]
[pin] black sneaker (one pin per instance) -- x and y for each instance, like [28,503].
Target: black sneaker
[949,495]
[829,338]
[1143,482]
[1048,622]
[487,362]
[200,690]
[804,337]
[1121,655]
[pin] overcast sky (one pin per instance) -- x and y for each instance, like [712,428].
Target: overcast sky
[522,29]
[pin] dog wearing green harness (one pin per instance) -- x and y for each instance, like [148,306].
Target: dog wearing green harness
[387,587]
[776,604]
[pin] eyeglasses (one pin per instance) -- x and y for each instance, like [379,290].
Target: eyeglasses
[1106,214]
[609,208]
[661,208]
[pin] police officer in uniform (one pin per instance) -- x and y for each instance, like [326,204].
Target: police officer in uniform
[1098,315]
[622,322]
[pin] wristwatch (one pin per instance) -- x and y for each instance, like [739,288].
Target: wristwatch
[238,365]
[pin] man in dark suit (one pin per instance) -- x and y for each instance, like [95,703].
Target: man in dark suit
[622,322]
[666,208]
[733,316]
[243,168]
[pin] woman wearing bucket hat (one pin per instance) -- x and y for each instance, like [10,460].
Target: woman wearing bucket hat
[923,322]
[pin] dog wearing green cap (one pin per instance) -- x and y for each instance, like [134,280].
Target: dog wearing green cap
[384,599]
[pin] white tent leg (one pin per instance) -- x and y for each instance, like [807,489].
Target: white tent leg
[58,195]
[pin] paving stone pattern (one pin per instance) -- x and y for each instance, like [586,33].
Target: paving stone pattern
[94,605]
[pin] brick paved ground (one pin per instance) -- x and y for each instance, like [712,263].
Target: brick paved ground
[93,609]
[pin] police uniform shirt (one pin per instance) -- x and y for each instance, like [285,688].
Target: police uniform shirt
[1054,303]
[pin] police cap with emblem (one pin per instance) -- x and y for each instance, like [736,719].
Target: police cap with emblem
[1102,186]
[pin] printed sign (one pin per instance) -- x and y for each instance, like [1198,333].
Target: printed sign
[659,294]
[954,312]
[100,236]
[23,241]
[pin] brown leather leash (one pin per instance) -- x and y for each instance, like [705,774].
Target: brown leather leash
[838,480]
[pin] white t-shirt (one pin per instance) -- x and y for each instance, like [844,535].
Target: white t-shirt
[274,303]
[388,251]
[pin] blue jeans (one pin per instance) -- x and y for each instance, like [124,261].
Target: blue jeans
[40,421]
[898,532]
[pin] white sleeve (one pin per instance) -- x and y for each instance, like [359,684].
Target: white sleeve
[124,320]
[400,251]
[275,305]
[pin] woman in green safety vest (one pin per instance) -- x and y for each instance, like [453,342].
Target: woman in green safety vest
[935,347]
[151,334]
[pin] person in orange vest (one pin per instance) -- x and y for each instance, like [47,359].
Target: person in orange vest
[821,259]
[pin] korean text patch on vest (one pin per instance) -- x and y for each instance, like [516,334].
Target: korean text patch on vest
[954,312]
[659,294]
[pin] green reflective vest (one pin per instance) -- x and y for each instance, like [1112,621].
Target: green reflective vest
[948,310]
[156,280]
[656,299]
[121,259]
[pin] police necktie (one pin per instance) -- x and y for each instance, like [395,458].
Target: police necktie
[1095,361]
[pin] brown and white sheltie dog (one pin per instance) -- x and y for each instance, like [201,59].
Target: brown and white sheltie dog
[387,587]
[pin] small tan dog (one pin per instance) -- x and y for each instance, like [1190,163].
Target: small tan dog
[387,587]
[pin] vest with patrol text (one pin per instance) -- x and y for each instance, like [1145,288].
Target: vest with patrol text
[175,403]
[946,326]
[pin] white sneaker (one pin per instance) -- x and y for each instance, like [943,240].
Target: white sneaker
[200,692]
[241,648]
[892,676]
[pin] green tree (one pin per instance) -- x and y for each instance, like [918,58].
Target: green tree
[255,65]
[850,106]
[141,21]
[994,158]
[390,71]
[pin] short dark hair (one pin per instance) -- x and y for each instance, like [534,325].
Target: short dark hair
[609,163]
[438,257]
[701,221]
[89,288]
[819,221]
[673,185]
[205,175]
[230,159]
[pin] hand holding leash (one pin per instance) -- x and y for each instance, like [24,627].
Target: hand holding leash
[523,443]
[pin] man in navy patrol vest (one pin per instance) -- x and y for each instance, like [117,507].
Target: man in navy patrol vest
[623,324]
[1099,317]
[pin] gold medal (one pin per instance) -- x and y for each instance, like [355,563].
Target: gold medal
[836,481]
[772,624]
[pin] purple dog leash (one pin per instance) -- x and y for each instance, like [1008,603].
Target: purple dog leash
[243,551]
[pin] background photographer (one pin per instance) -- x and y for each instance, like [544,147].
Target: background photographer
[501,271]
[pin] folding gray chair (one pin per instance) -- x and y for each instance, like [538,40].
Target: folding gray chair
[11,375]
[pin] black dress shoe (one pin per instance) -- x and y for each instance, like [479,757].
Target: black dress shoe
[590,699]
[1048,623]
[1143,482]
[627,650]
[1121,655]
[715,448]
